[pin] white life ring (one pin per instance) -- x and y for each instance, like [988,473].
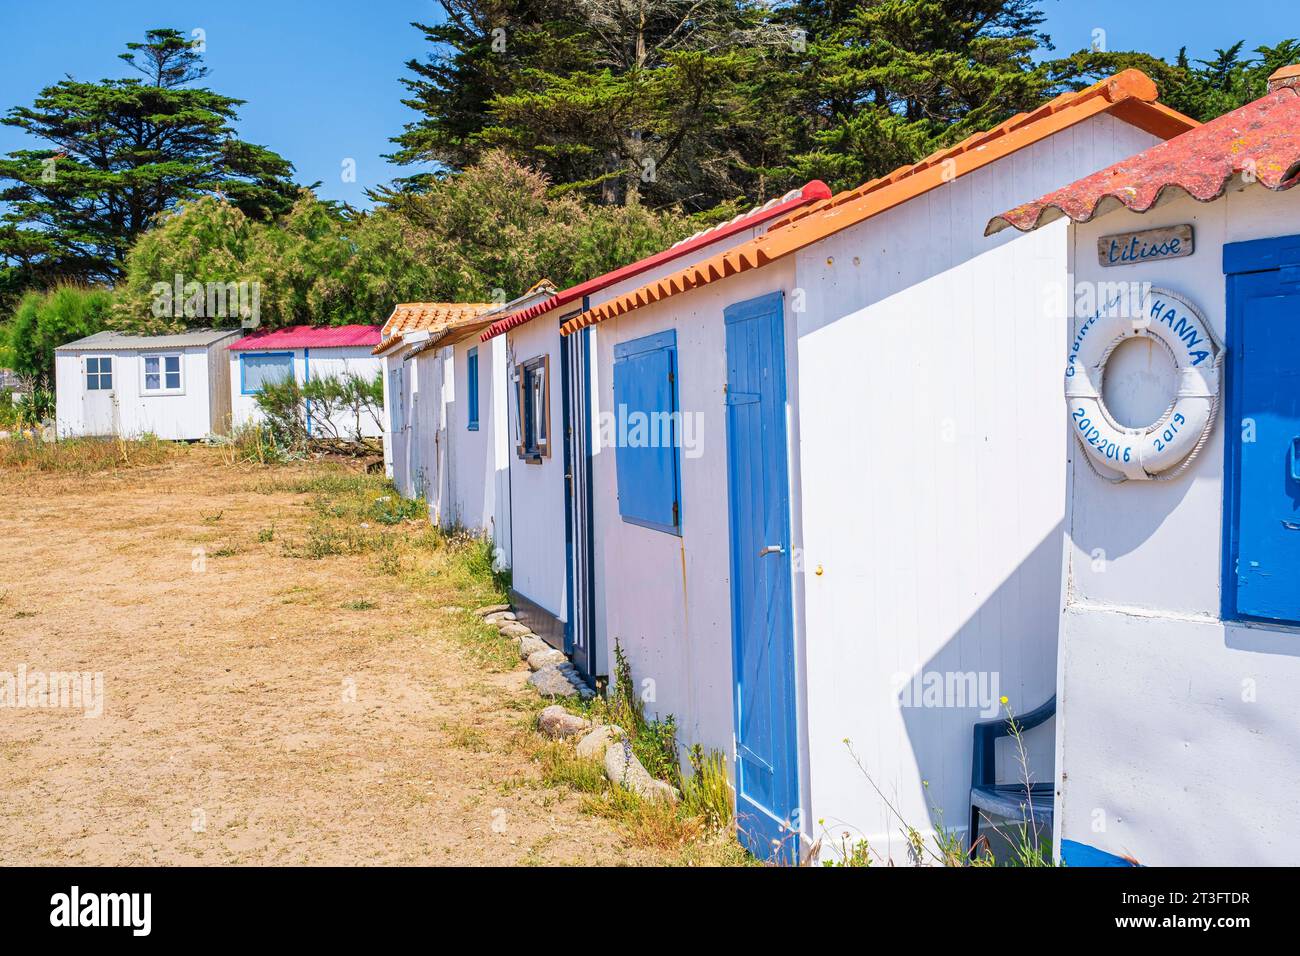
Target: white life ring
[1170,442]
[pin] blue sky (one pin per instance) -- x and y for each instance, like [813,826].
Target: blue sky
[322,78]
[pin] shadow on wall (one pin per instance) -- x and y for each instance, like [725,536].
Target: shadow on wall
[1008,647]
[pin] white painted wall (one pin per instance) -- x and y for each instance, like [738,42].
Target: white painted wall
[537,488]
[320,363]
[186,415]
[478,478]
[934,475]
[1155,741]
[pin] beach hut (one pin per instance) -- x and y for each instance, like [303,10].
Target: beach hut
[414,409]
[555,589]
[171,386]
[1178,722]
[847,546]
[305,353]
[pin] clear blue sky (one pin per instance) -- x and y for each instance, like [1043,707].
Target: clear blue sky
[321,78]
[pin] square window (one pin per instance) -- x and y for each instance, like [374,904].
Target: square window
[162,373]
[99,373]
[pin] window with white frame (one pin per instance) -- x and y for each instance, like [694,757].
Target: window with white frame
[162,374]
[99,373]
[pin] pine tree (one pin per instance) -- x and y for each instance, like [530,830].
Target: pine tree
[121,151]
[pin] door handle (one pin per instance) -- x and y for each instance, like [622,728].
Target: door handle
[772,549]
[1293,459]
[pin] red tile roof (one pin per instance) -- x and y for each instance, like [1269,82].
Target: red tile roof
[1129,96]
[1261,140]
[308,336]
[772,209]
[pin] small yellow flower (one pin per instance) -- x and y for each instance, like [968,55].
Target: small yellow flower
[1003,699]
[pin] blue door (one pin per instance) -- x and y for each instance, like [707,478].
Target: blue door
[1262,510]
[767,770]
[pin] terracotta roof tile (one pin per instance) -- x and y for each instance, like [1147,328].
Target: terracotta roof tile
[431,316]
[1261,139]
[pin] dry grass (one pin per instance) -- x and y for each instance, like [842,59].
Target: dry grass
[82,455]
[249,716]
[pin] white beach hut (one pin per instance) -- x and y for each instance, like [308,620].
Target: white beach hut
[863,544]
[414,408]
[1179,725]
[556,588]
[170,386]
[305,353]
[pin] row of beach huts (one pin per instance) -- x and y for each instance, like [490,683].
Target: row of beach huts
[850,476]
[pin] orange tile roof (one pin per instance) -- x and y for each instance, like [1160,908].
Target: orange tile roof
[434,316]
[1129,96]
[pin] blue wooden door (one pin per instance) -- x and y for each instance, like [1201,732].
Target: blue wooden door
[767,771]
[1262,578]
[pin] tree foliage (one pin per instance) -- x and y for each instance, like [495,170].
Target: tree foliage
[119,153]
[484,235]
[45,320]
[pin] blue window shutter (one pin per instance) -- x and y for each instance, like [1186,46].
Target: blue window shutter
[1262,510]
[646,457]
[471,386]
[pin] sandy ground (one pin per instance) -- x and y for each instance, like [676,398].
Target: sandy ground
[229,734]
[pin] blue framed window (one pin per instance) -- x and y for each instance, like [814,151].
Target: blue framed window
[471,387]
[99,373]
[1261,561]
[261,368]
[648,436]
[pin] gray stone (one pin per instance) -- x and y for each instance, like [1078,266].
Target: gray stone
[555,721]
[552,682]
[514,629]
[539,659]
[491,609]
[531,644]
[622,768]
[593,745]
[500,617]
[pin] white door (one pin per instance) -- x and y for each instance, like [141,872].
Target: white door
[99,396]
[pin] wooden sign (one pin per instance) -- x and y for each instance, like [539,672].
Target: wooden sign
[1150,245]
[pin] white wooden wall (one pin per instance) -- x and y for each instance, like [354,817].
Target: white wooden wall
[185,416]
[934,484]
[537,489]
[325,362]
[1161,754]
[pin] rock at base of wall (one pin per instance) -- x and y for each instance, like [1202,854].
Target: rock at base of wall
[500,617]
[531,644]
[539,659]
[491,609]
[593,745]
[622,768]
[560,680]
[514,629]
[555,721]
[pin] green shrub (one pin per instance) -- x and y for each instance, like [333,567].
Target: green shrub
[45,320]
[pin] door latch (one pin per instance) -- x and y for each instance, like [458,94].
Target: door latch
[772,549]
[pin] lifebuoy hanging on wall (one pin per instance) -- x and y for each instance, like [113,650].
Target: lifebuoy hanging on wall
[1168,446]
